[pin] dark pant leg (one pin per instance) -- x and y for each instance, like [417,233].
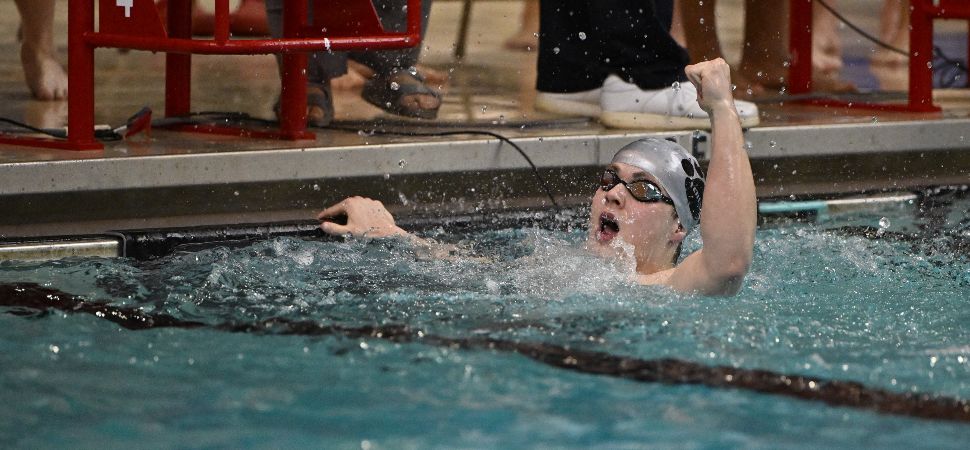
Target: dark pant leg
[321,66]
[665,12]
[622,37]
[640,49]
[394,18]
[568,61]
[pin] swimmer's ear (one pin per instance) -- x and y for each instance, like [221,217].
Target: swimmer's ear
[678,233]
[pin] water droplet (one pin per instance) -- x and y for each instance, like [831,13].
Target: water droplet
[884,223]
[387,176]
[786,64]
[236,193]
[929,64]
[701,21]
[395,86]
[316,187]
[582,36]
[675,86]
[875,119]
[749,91]
[484,107]
[555,50]
[748,145]
[734,87]
[772,144]
[760,74]
[402,163]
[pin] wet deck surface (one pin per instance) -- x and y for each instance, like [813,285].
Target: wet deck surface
[492,88]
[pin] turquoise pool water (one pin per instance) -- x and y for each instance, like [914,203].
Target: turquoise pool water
[889,309]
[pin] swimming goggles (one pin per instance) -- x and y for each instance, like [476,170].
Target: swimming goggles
[642,190]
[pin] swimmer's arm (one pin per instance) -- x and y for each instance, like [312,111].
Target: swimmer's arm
[367,218]
[729,212]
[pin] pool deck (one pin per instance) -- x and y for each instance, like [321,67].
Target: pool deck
[173,179]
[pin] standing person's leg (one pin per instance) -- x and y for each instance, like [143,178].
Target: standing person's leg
[764,50]
[700,29]
[647,87]
[638,46]
[526,38]
[894,30]
[396,86]
[569,77]
[321,67]
[665,13]
[45,77]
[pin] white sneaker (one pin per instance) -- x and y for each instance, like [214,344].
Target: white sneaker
[586,103]
[625,105]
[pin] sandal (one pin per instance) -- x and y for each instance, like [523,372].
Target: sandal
[388,92]
[319,95]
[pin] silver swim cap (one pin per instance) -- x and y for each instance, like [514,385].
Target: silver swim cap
[677,171]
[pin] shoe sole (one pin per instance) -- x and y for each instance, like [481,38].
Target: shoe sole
[663,122]
[567,107]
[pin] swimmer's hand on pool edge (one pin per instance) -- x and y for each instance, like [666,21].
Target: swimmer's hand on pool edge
[366,218]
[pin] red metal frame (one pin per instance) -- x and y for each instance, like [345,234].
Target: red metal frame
[137,26]
[922,14]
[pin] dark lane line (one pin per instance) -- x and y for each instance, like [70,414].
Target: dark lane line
[30,299]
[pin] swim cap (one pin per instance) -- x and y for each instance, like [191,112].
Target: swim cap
[677,171]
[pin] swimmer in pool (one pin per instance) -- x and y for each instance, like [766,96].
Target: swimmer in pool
[649,200]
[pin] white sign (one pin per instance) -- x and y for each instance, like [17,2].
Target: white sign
[127,4]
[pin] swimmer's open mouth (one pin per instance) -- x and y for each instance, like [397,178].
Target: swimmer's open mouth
[609,227]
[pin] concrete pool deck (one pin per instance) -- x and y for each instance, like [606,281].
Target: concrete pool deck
[182,179]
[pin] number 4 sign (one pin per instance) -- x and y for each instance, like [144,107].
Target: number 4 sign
[127,4]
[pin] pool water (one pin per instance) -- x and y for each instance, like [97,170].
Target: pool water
[886,306]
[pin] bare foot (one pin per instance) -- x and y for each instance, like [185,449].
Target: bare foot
[45,77]
[894,29]
[415,101]
[358,74]
[433,76]
[351,80]
[826,60]
[831,83]
[524,40]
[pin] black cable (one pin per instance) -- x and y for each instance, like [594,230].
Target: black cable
[104,135]
[862,32]
[29,128]
[535,170]
[241,116]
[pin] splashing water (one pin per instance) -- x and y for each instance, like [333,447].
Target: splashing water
[829,300]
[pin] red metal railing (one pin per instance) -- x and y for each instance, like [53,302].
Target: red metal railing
[135,24]
[922,14]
